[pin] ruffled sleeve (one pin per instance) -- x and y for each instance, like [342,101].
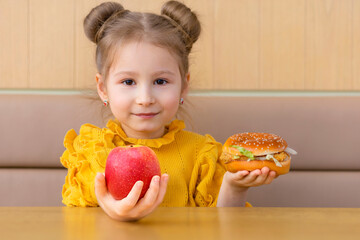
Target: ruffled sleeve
[207,174]
[85,155]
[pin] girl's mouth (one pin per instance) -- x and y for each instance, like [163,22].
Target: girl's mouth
[146,115]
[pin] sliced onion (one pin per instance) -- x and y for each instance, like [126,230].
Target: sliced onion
[290,151]
[277,163]
[270,157]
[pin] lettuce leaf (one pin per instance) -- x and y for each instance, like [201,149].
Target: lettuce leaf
[244,152]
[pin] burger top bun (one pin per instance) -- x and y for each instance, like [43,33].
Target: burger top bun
[258,143]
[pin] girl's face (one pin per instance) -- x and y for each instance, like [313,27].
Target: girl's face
[143,89]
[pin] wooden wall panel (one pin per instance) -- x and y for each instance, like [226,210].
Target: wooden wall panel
[14,44]
[328,64]
[356,45]
[202,53]
[153,6]
[236,45]
[282,44]
[85,67]
[244,45]
[52,48]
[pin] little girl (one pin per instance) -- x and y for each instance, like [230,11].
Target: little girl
[143,77]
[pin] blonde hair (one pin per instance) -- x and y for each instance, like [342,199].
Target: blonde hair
[109,25]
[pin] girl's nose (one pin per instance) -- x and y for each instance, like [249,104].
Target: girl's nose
[145,96]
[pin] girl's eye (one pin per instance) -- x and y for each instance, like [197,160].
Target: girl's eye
[160,81]
[128,82]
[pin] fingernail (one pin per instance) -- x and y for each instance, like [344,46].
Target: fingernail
[156,179]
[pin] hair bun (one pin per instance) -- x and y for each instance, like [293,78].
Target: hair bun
[184,17]
[94,21]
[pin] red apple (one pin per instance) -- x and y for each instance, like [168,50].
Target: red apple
[126,165]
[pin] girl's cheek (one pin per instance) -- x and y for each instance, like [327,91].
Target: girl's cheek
[173,99]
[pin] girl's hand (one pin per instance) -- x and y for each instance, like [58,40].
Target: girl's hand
[245,179]
[233,191]
[131,208]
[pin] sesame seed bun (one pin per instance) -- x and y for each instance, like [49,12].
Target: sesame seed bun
[260,145]
[257,143]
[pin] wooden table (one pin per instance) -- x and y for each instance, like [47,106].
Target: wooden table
[181,223]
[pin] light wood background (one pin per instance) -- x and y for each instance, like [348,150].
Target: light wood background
[245,44]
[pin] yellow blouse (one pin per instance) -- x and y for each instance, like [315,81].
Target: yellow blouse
[190,159]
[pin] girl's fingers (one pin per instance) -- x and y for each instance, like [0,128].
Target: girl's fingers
[100,186]
[262,177]
[252,176]
[265,170]
[101,192]
[155,194]
[132,198]
[270,178]
[163,186]
[273,174]
[238,175]
[251,179]
[151,194]
[266,177]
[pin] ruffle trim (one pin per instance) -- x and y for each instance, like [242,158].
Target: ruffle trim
[174,127]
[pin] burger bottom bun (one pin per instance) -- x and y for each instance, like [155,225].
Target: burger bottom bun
[235,166]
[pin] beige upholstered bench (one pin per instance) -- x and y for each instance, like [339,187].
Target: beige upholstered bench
[325,132]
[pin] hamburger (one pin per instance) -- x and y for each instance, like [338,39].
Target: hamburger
[250,151]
